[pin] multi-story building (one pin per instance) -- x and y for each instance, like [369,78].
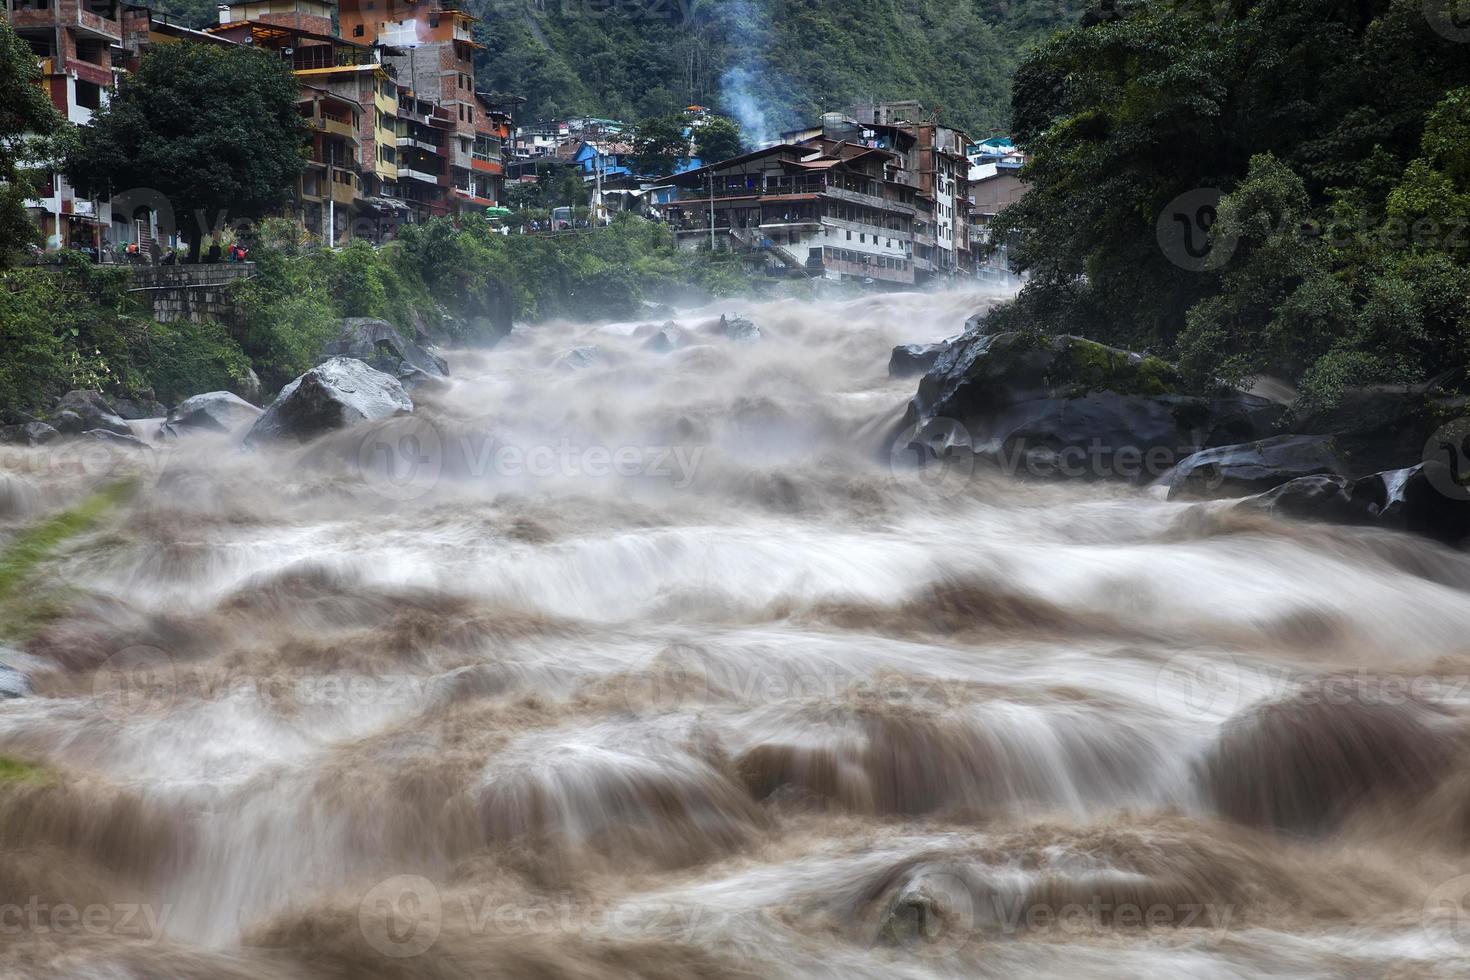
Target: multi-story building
[424,131]
[430,45]
[74,41]
[832,214]
[884,197]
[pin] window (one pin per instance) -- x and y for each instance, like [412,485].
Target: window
[357,31]
[433,20]
[849,235]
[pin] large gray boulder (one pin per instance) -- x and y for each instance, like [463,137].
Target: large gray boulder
[738,328]
[27,434]
[79,411]
[911,359]
[667,338]
[213,411]
[1252,467]
[579,358]
[1063,406]
[379,344]
[336,393]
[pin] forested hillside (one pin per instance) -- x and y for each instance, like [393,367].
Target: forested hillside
[1337,133]
[769,63]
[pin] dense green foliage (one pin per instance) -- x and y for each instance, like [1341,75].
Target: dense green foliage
[772,64]
[76,325]
[25,112]
[1337,133]
[213,130]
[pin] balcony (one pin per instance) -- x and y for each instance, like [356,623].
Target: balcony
[408,173]
[427,147]
[332,126]
[487,166]
[344,185]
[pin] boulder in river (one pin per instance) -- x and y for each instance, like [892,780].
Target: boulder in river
[115,439]
[336,393]
[578,358]
[143,406]
[214,411]
[910,359]
[668,337]
[1252,467]
[379,344]
[80,411]
[739,329]
[1065,406]
[27,434]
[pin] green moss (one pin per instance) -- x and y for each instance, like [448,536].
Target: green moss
[1086,366]
[19,605]
[16,771]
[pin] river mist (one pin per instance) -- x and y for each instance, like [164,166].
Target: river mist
[629,657]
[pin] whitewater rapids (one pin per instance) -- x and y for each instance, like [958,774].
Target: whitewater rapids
[623,661]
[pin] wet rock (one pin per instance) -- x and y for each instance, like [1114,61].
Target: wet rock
[1426,499]
[579,358]
[1252,467]
[1326,497]
[1063,406]
[739,329]
[214,411]
[144,406]
[379,344]
[247,387]
[13,683]
[336,393]
[911,359]
[79,411]
[1382,429]
[667,338]
[114,439]
[27,434]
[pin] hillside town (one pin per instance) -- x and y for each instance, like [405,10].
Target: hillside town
[882,193]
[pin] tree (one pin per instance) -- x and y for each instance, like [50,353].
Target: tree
[659,144]
[26,116]
[214,130]
[718,139]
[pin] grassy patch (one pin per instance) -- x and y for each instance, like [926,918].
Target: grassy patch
[35,544]
[15,771]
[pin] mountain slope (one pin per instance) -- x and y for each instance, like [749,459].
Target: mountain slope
[769,63]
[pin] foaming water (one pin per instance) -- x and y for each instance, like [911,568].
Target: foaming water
[631,653]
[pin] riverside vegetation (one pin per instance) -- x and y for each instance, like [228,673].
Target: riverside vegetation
[75,326]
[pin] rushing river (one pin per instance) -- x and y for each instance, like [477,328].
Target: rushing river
[633,662]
